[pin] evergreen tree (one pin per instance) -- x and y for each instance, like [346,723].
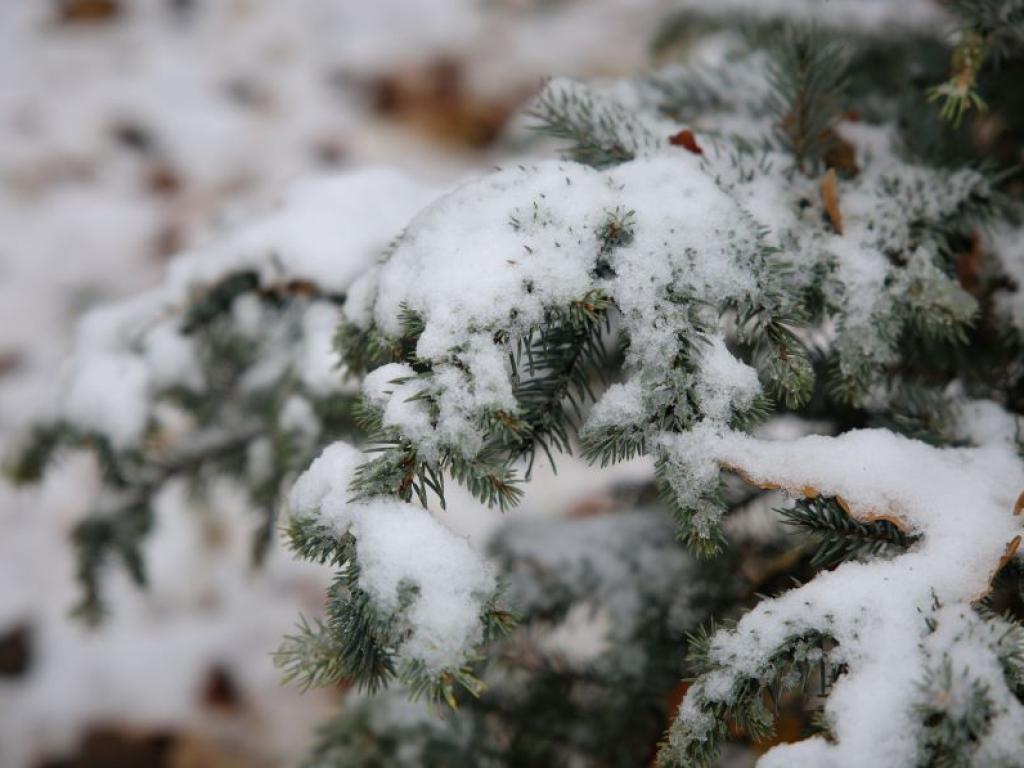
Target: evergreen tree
[787,267]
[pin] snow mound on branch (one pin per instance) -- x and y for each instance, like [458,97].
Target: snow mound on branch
[394,388]
[961,503]
[325,231]
[110,395]
[509,245]
[401,547]
[500,253]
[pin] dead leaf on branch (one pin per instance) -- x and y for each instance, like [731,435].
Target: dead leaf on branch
[830,198]
[687,141]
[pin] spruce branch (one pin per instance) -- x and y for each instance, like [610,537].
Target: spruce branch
[600,132]
[356,640]
[95,540]
[751,701]
[955,721]
[310,656]
[841,536]
[314,541]
[120,527]
[216,300]
[612,444]
[29,462]
[553,368]
[491,479]
[363,349]
[991,30]
[807,78]
[779,353]
[1000,22]
[697,512]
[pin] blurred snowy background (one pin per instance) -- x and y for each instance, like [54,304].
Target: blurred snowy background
[129,131]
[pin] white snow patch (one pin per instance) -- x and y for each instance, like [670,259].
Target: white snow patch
[401,547]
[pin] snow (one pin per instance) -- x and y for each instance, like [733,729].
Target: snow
[725,384]
[323,488]
[394,388]
[501,251]
[462,265]
[401,547]
[325,231]
[960,501]
[109,394]
[297,416]
[621,404]
[329,230]
[318,362]
[580,639]
[983,422]
[171,359]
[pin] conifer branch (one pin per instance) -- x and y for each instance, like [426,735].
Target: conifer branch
[121,528]
[752,700]
[600,133]
[843,537]
[807,80]
[553,370]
